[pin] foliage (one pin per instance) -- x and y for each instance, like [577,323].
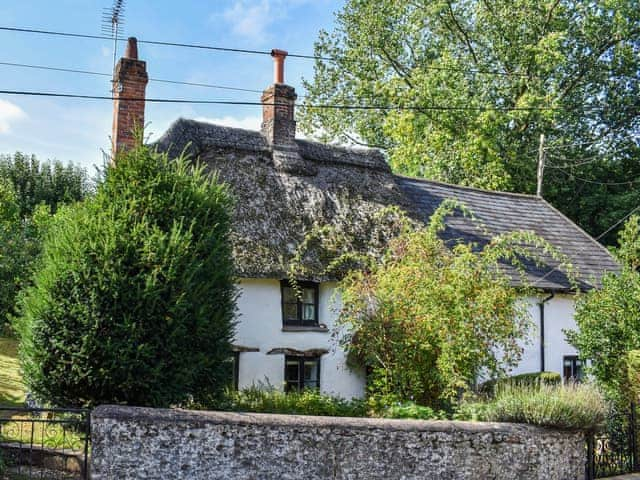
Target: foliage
[569,70]
[476,410]
[134,301]
[571,406]
[608,324]
[307,402]
[12,392]
[411,410]
[20,241]
[629,243]
[633,374]
[432,316]
[51,183]
[523,379]
[29,192]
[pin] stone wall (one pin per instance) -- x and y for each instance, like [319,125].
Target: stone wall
[139,443]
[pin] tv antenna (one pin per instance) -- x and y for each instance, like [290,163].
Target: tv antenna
[112,23]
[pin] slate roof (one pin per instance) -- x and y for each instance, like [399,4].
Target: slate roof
[278,202]
[502,212]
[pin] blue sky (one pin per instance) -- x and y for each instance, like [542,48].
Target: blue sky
[77,130]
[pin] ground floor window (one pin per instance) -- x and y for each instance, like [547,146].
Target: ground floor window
[301,373]
[571,368]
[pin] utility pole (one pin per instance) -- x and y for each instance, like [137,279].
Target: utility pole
[541,158]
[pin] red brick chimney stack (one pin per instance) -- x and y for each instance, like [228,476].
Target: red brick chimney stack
[278,124]
[129,83]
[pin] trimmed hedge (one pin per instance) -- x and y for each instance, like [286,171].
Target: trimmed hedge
[523,380]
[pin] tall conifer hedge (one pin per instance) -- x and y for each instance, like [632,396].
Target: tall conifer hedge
[135,299]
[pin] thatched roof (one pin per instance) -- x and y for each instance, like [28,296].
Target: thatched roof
[278,201]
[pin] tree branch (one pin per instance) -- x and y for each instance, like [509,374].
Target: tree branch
[465,37]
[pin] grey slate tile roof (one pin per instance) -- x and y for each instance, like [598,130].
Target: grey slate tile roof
[502,212]
[276,204]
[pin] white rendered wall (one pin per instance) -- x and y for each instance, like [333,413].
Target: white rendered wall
[558,313]
[260,326]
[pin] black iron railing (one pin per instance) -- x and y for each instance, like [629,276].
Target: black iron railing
[614,451]
[44,443]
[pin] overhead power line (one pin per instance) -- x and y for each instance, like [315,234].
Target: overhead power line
[151,42]
[595,182]
[481,71]
[103,74]
[303,106]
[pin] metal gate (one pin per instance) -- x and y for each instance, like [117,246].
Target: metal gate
[615,451]
[44,443]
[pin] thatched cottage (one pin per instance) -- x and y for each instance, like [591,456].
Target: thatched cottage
[283,186]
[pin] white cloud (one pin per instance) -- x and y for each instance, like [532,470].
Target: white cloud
[250,19]
[248,123]
[9,112]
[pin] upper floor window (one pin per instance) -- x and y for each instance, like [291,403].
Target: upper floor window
[571,368]
[301,373]
[300,310]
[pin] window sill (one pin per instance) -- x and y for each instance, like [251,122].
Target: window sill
[300,328]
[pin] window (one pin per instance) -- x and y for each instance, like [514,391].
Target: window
[571,368]
[301,373]
[300,311]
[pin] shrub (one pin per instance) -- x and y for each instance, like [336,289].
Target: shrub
[307,402]
[414,411]
[571,406]
[633,373]
[523,379]
[134,301]
[607,321]
[473,411]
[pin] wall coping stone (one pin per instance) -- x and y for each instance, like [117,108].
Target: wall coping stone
[127,413]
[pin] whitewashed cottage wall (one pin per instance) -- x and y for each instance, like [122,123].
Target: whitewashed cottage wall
[260,327]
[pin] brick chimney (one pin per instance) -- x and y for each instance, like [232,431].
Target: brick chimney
[129,83]
[278,124]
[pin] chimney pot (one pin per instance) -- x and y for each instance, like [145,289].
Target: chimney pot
[132,49]
[278,64]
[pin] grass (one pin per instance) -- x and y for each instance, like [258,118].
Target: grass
[12,394]
[12,390]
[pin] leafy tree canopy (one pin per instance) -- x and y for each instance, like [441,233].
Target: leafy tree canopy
[29,192]
[35,182]
[134,301]
[608,321]
[477,82]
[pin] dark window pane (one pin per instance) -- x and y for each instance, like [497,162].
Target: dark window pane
[292,371]
[290,311]
[312,373]
[288,295]
[309,295]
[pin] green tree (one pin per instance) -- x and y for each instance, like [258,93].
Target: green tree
[608,321]
[477,82]
[135,301]
[429,318]
[29,191]
[51,183]
[20,240]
